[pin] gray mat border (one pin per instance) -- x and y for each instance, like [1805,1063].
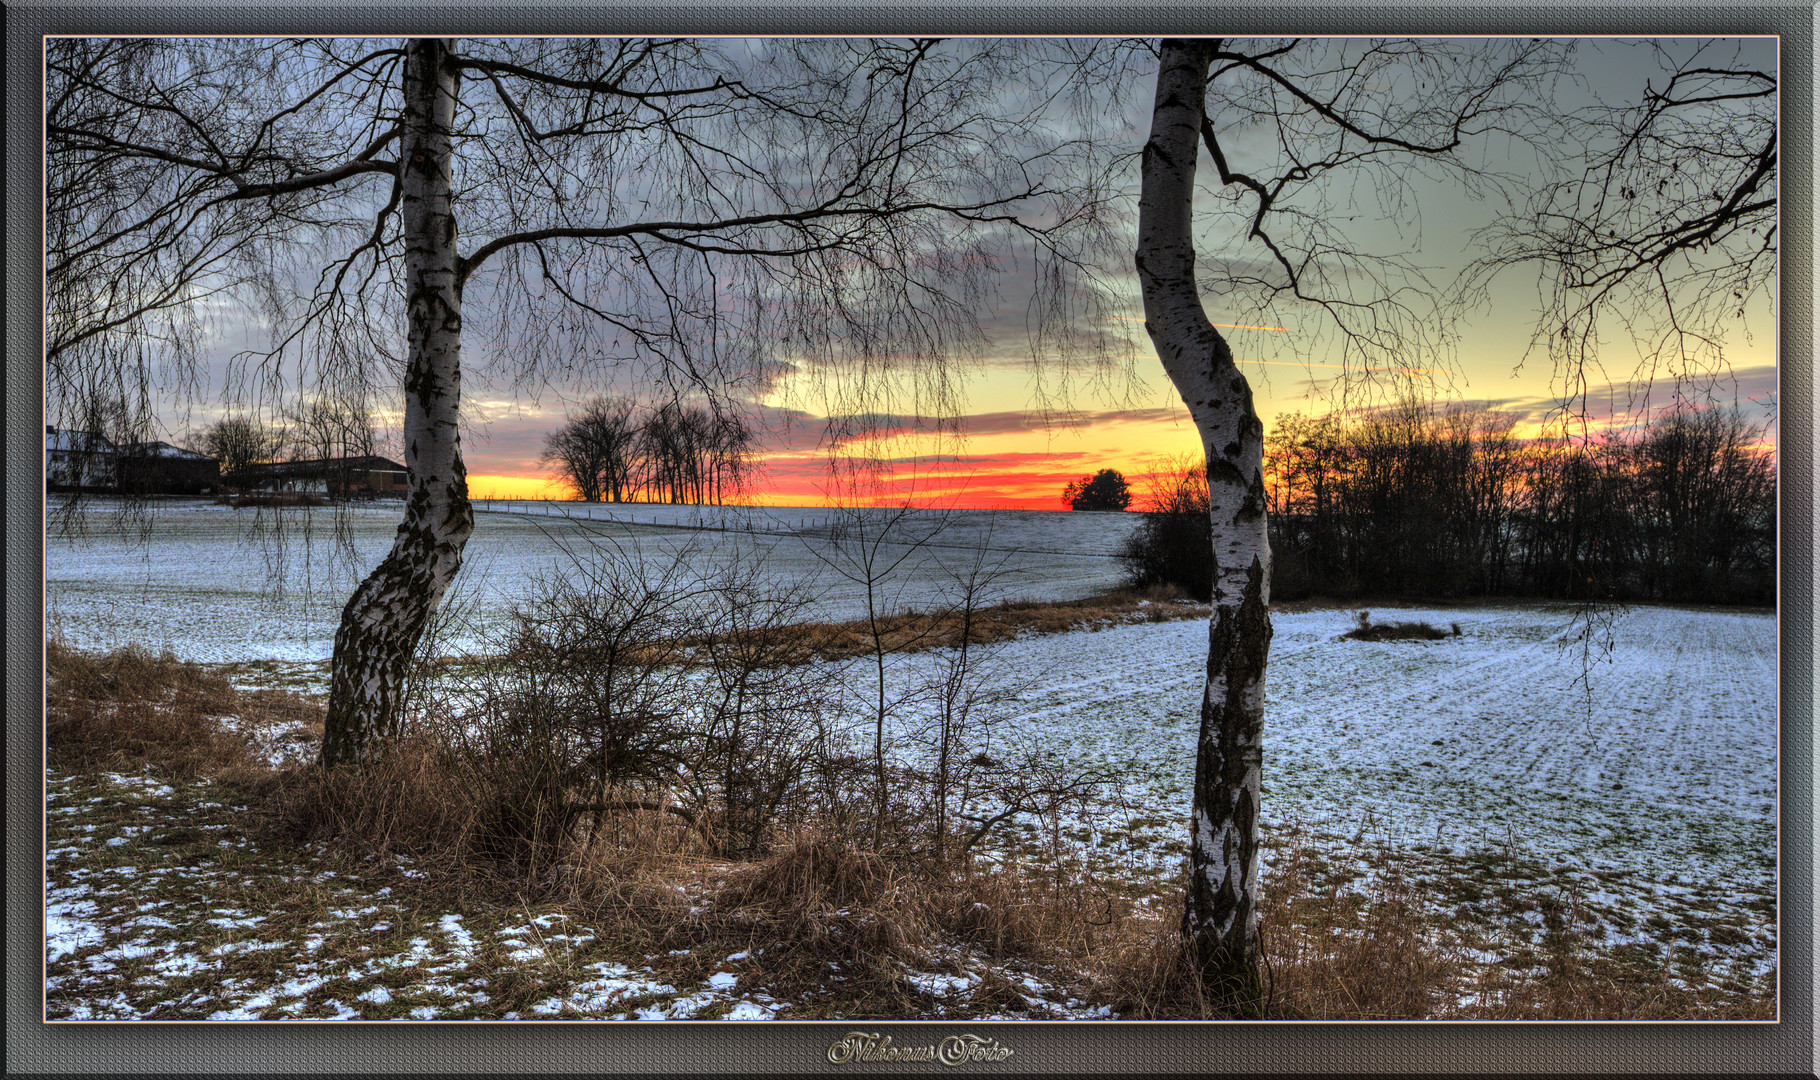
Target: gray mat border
[1076,1048]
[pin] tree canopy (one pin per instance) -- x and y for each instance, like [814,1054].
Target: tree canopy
[1104,490]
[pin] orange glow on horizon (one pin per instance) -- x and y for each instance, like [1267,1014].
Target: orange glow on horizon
[1013,470]
[495,486]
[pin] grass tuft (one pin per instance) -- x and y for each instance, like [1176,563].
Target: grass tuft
[1366,630]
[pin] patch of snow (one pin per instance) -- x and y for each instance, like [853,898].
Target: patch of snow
[70,927]
[457,933]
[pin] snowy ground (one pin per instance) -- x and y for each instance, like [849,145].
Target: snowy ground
[159,907]
[1653,808]
[220,585]
[1647,805]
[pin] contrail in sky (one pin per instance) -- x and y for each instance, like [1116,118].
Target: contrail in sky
[1337,367]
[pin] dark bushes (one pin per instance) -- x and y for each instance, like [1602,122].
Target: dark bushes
[1414,501]
[1367,630]
[1174,544]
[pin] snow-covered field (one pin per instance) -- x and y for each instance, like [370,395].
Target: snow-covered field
[216,584]
[1639,790]
[1481,753]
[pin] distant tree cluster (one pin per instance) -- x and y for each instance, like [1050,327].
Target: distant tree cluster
[1419,501]
[1104,490]
[315,429]
[612,450]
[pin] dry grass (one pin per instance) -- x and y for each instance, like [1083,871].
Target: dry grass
[1611,992]
[1366,630]
[916,631]
[832,928]
[411,799]
[1385,949]
[821,912]
[1377,953]
[1330,952]
[132,709]
[848,932]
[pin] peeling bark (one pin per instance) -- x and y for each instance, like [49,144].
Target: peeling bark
[1220,918]
[386,616]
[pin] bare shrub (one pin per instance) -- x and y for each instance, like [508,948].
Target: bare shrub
[627,683]
[764,722]
[1366,630]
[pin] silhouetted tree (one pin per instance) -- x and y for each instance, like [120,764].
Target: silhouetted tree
[597,450]
[237,442]
[1104,490]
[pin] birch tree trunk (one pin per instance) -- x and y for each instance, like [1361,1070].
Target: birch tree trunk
[386,616]
[1220,922]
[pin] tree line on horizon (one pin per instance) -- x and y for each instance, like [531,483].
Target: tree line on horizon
[615,450]
[1418,500]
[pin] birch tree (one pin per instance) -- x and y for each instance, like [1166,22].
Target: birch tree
[712,215]
[1389,111]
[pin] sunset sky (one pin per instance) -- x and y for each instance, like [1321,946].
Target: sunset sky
[1003,450]
[1013,456]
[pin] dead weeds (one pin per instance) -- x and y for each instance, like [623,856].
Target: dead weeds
[133,710]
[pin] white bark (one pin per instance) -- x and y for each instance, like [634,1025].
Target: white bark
[1221,913]
[386,616]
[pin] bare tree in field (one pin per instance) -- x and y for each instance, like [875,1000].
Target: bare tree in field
[239,441]
[1373,113]
[323,429]
[596,450]
[711,212]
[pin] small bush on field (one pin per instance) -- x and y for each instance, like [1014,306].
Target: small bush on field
[133,709]
[1366,630]
[1173,545]
[627,686]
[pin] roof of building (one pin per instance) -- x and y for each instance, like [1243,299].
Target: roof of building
[316,466]
[80,442]
[164,450]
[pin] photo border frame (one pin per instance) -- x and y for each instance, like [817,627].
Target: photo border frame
[1053,1047]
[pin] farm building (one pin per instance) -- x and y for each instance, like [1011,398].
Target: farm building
[79,461]
[335,478]
[158,468]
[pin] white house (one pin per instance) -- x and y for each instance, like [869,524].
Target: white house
[79,461]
